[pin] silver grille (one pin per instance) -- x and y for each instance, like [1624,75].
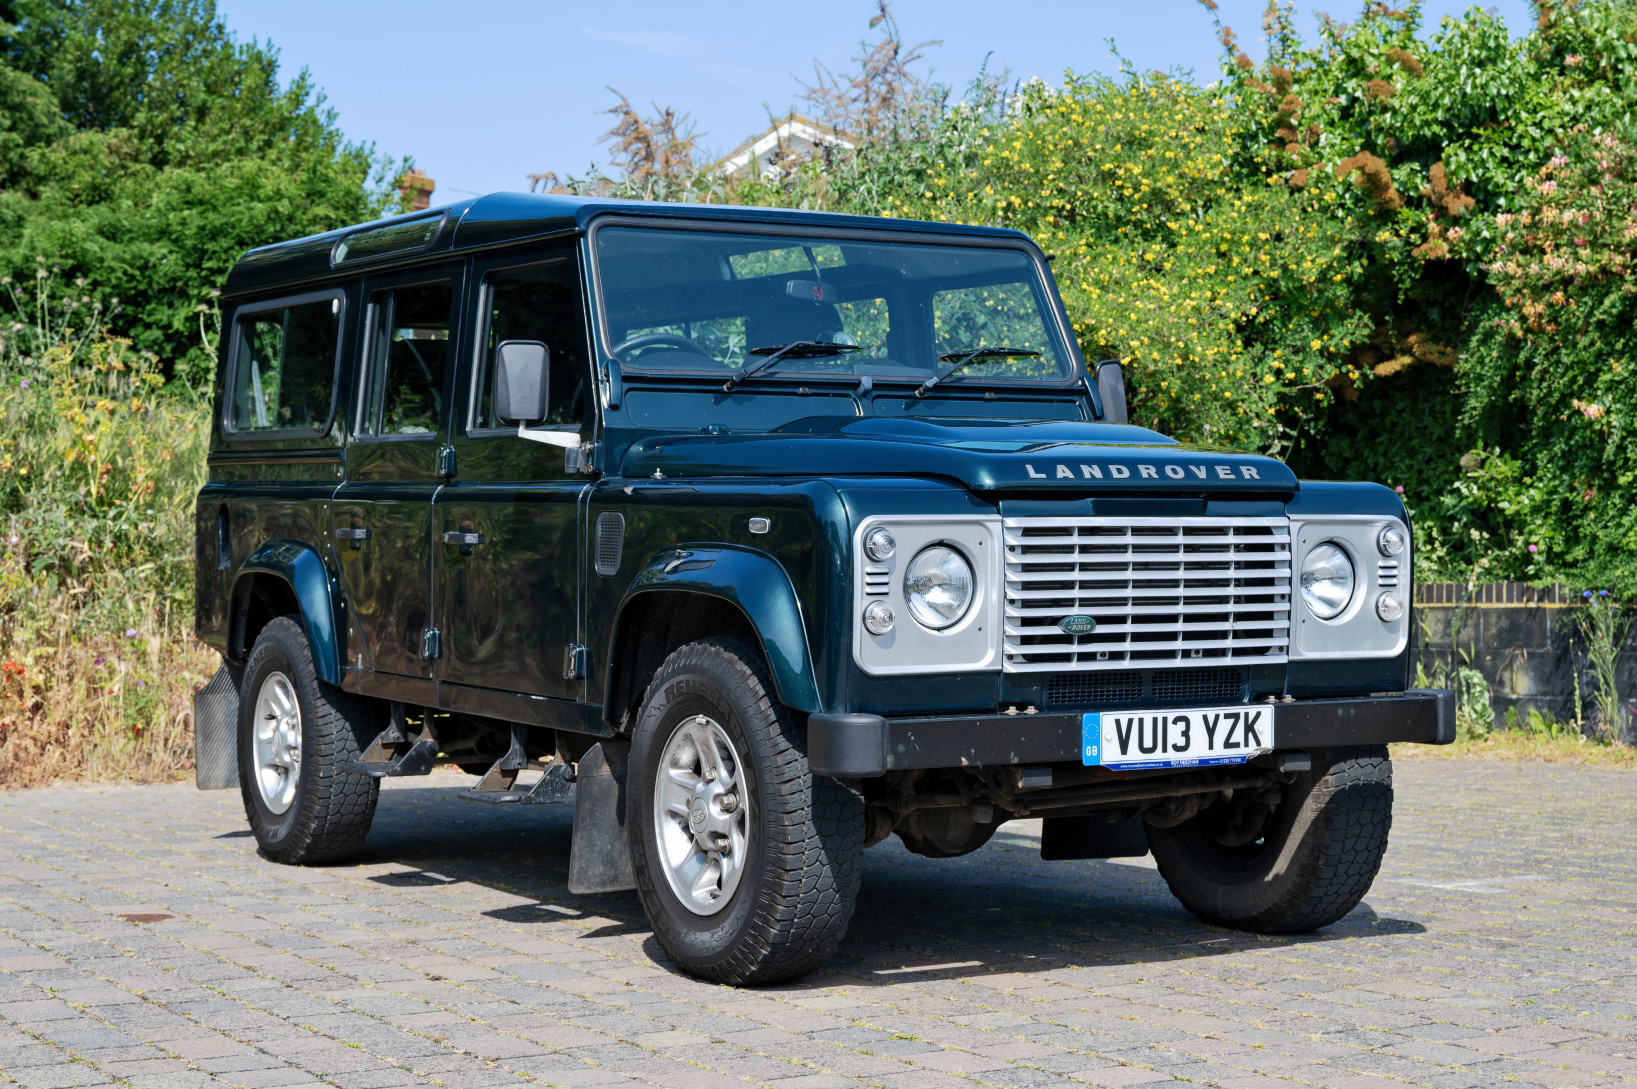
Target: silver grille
[1202,591]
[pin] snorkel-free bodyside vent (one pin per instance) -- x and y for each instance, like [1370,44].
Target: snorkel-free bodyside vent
[610,542]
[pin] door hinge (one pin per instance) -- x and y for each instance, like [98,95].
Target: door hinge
[579,459]
[574,659]
[431,643]
[446,462]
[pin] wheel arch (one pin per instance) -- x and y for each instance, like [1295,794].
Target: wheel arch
[683,594]
[280,578]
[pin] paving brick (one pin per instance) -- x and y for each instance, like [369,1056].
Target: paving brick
[1487,952]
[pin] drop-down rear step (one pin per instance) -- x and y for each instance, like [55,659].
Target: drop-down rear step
[392,753]
[499,784]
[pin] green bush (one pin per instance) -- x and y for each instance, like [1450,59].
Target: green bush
[144,149]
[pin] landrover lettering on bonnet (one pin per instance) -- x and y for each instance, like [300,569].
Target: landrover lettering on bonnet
[1146,471]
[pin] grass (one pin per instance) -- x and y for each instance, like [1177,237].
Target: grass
[1523,747]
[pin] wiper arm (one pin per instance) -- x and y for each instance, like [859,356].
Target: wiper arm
[957,360]
[796,349]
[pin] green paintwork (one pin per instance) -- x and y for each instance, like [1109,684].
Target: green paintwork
[758,586]
[300,566]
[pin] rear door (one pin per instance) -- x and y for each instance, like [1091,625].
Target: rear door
[381,517]
[508,525]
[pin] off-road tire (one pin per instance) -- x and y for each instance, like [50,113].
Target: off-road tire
[333,808]
[1317,858]
[796,897]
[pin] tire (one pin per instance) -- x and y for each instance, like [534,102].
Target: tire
[1318,855]
[781,911]
[302,808]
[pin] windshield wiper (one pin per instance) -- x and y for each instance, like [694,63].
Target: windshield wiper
[957,360]
[796,349]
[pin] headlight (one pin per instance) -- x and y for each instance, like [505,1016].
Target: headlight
[938,587]
[1327,580]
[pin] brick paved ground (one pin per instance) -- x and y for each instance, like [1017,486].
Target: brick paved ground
[1496,947]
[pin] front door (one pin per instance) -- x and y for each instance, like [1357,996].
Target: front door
[382,516]
[507,552]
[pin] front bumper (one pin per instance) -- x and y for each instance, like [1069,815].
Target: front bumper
[858,746]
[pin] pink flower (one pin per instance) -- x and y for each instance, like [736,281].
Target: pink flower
[1399,489]
[1534,548]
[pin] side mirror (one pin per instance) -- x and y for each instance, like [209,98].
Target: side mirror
[1111,388]
[521,367]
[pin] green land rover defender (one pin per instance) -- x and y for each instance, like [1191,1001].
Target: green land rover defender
[761,537]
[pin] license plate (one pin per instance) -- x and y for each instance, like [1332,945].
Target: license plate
[1175,739]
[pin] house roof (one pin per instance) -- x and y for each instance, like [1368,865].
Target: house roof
[791,129]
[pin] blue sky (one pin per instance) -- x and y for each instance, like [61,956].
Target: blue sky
[485,92]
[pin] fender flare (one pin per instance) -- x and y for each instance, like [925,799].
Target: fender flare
[759,587]
[299,566]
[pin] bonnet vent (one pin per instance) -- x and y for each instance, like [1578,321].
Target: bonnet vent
[610,541]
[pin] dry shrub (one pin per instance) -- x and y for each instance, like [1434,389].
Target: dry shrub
[1374,178]
[99,464]
[1406,60]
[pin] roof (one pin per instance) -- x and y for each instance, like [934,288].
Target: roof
[794,131]
[502,218]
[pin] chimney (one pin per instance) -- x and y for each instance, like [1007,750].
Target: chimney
[417,188]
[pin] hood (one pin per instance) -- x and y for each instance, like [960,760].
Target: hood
[984,455]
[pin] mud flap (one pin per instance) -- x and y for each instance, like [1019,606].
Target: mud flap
[216,733]
[599,859]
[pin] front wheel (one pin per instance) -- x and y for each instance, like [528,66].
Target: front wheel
[1303,865]
[746,863]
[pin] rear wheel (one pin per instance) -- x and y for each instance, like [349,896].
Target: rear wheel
[295,732]
[1301,866]
[746,863]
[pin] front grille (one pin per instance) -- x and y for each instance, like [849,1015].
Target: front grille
[1200,684]
[1129,686]
[1201,591]
[1067,689]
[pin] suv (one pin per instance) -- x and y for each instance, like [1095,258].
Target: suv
[763,536]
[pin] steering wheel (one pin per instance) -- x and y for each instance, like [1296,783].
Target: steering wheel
[659,340]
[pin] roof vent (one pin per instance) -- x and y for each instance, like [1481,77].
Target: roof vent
[399,237]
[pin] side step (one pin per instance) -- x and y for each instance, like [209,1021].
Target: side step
[386,755]
[499,784]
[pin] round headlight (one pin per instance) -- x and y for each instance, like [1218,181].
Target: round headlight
[1327,580]
[938,587]
[1390,540]
[879,545]
[1389,606]
[878,617]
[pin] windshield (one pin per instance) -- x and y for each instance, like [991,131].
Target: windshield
[715,302]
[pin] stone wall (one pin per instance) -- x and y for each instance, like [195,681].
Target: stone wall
[1523,639]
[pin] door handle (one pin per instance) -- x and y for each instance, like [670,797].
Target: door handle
[356,534]
[465,539]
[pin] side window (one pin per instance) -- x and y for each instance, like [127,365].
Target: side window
[284,368]
[535,302]
[408,357]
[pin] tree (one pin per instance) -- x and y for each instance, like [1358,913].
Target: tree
[144,148]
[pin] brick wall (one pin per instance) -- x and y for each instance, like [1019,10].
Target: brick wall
[1521,638]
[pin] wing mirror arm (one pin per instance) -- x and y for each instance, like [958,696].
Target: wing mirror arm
[568,440]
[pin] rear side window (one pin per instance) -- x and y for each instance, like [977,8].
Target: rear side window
[408,358]
[284,367]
